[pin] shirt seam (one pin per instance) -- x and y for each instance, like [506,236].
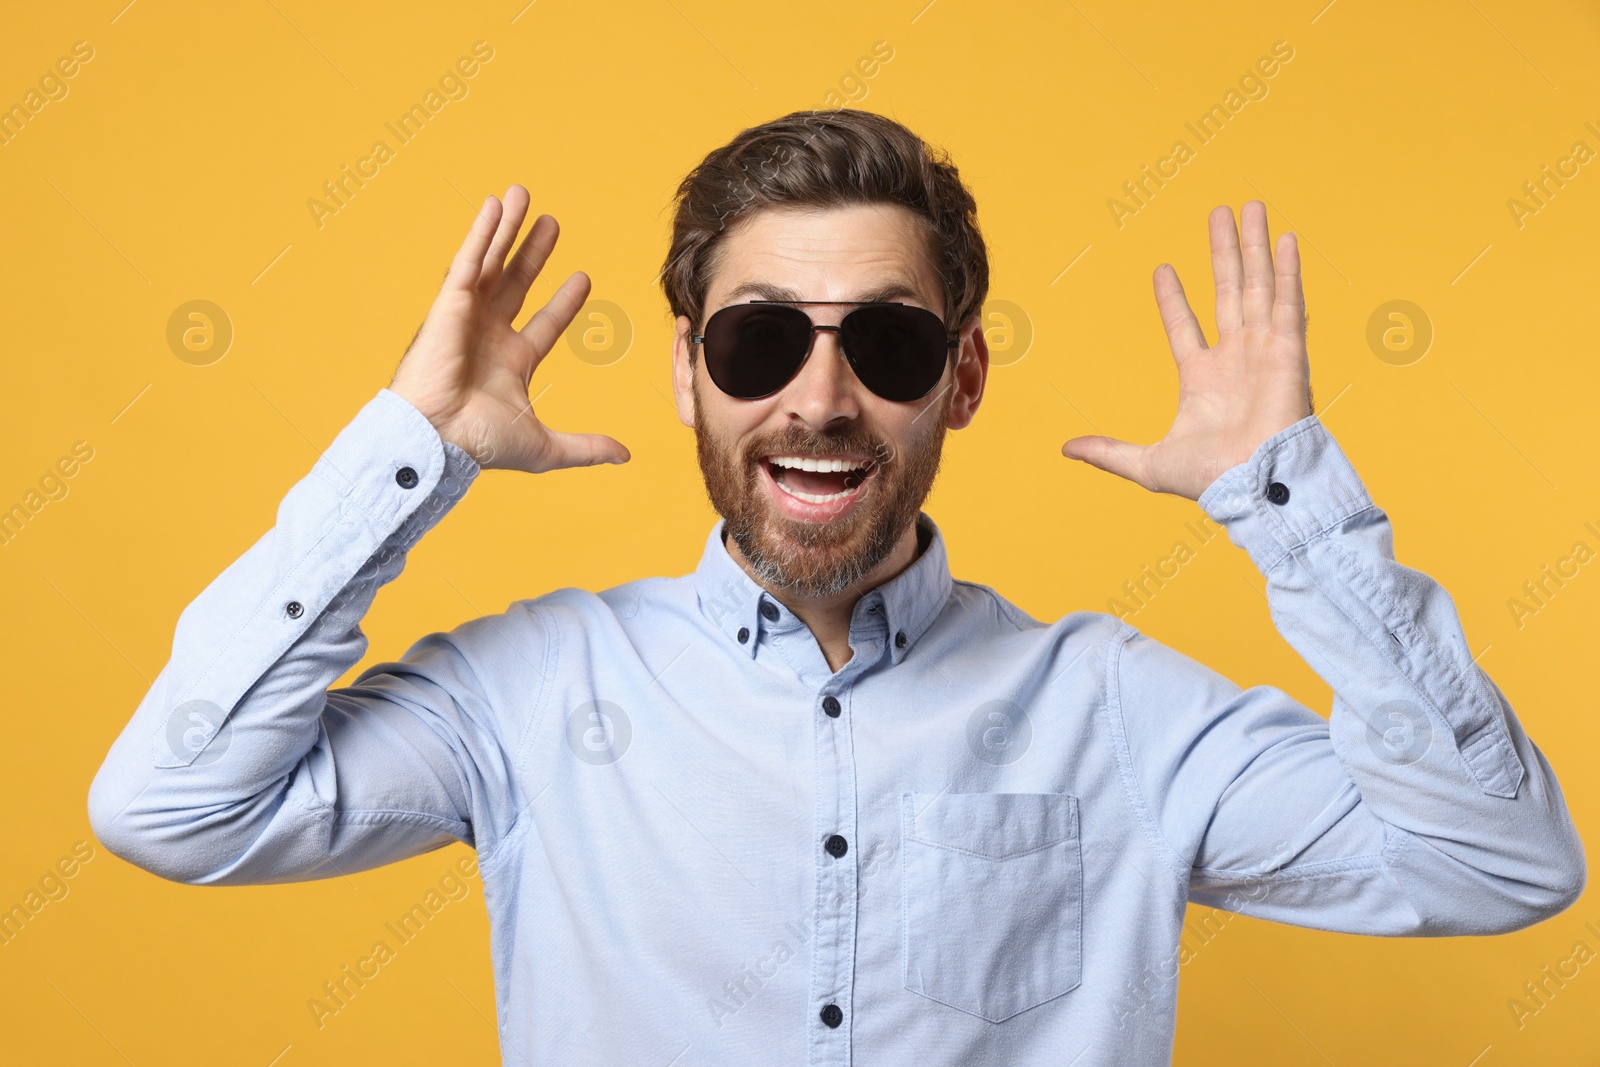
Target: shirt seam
[1010,612]
[530,730]
[493,724]
[1343,511]
[1124,755]
[987,856]
[646,585]
[383,815]
[1304,872]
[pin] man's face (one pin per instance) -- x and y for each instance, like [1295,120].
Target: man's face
[842,524]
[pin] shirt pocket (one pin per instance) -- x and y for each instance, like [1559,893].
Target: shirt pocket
[991,896]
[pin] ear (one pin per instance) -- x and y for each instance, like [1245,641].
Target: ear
[682,373]
[972,370]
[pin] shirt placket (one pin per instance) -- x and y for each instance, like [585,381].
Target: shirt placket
[833,922]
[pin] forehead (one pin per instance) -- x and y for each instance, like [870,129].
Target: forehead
[854,252]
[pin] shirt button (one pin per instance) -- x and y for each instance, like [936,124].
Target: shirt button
[831,1015]
[836,846]
[830,704]
[744,634]
[769,611]
[1278,493]
[900,639]
[294,609]
[406,478]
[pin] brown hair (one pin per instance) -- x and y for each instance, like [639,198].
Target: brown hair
[826,159]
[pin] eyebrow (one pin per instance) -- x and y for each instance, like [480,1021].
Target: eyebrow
[766,291]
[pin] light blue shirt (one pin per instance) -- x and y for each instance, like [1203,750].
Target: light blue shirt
[971,844]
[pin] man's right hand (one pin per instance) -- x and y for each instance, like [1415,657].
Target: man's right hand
[468,370]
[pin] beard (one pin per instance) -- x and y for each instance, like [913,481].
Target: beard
[820,559]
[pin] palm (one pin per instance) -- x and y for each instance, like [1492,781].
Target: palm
[468,370]
[1235,394]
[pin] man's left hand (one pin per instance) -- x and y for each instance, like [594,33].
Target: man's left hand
[1234,395]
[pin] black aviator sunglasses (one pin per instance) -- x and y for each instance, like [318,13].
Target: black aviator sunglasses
[753,350]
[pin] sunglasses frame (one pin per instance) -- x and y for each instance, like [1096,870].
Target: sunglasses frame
[951,341]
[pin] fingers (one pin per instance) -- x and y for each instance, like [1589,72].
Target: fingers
[1228,270]
[1183,329]
[525,266]
[464,269]
[481,260]
[516,208]
[1257,246]
[550,321]
[1121,458]
[1289,305]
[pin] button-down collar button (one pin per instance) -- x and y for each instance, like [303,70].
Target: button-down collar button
[900,639]
[832,1016]
[836,846]
[406,478]
[875,609]
[830,704]
[1278,493]
[744,634]
[769,611]
[294,609]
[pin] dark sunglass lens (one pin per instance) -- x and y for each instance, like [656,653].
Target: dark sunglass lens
[898,351]
[752,350]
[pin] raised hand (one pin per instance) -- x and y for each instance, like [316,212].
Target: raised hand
[1232,396]
[468,370]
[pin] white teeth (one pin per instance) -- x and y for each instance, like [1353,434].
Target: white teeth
[814,498]
[810,463]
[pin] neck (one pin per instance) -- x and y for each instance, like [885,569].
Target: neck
[828,617]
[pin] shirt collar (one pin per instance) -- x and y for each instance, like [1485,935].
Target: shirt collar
[909,602]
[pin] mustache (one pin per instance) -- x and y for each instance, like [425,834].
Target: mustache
[880,453]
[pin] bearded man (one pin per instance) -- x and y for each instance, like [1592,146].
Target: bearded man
[817,802]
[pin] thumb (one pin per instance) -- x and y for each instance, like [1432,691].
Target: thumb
[1122,458]
[585,449]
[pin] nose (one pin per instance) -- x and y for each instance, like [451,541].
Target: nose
[826,391]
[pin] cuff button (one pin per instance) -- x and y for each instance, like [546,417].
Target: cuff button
[406,478]
[294,609]
[1278,493]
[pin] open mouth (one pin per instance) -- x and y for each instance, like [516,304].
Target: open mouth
[819,479]
[817,489]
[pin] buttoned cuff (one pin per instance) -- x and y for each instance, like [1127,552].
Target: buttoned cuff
[1296,485]
[393,470]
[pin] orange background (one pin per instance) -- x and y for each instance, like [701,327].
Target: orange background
[179,164]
